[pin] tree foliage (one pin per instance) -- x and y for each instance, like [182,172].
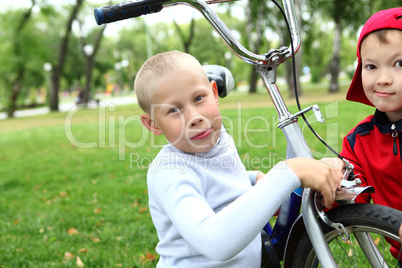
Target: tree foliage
[40,42]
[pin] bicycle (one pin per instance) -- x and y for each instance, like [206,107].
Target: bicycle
[299,240]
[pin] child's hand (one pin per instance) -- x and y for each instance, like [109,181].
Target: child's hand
[322,176]
[260,175]
[335,162]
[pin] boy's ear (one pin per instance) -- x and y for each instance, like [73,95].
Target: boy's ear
[215,90]
[150,124]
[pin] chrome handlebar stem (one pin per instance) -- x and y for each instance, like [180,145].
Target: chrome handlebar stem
[228,37]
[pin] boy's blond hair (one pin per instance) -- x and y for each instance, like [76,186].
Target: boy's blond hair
[161,68]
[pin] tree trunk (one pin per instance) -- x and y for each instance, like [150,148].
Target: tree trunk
[186,42]
[58,68]
[16,88]
[12,105]
[334,66]
[88,79]
[254,35]
[54,88]
[90,57]
[253,80]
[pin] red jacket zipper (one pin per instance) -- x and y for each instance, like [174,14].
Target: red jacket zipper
[394,134]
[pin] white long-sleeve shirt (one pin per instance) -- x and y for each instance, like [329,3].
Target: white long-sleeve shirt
[205,209]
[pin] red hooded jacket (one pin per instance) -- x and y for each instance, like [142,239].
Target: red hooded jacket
[374,147]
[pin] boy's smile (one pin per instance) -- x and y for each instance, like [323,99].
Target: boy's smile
[185,110]
[202,134]
[382,73]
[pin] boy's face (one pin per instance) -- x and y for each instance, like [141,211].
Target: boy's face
[185,110]
[382,73]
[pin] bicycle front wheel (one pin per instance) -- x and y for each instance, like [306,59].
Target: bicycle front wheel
[370,227]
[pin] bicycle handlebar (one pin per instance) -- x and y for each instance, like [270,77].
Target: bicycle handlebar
[128,10]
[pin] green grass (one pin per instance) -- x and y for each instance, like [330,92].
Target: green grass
[84,194]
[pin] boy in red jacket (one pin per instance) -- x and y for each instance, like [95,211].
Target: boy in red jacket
[374,146]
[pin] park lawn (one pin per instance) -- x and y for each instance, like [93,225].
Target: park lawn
[73,185]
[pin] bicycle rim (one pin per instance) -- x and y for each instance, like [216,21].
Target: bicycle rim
[370,228]
[350,254]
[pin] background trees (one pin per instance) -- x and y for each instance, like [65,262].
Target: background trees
[345,16]
[51,51]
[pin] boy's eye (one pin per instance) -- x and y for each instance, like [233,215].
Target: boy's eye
[370,67]
[399,64]
[199,98]
[173,110]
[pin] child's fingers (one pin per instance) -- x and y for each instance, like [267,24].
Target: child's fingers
[329,192]
[330,199]
[327,202]
[322,176]
[338,166]
[327,198]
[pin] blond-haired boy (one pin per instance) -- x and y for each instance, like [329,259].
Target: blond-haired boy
[207,209]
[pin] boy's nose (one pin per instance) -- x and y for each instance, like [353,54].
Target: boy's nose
[193,116]
[195,120]
[384,78]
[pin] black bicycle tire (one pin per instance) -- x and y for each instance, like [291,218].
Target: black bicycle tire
[369,215]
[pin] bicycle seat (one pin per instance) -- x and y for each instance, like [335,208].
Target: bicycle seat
[222,76]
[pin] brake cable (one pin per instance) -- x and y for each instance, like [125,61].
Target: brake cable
[295,84]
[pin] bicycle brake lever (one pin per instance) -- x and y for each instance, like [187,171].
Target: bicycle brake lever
[317,113]
[348,175]
[350,186]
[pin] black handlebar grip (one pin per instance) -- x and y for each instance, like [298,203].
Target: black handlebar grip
[126,10]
